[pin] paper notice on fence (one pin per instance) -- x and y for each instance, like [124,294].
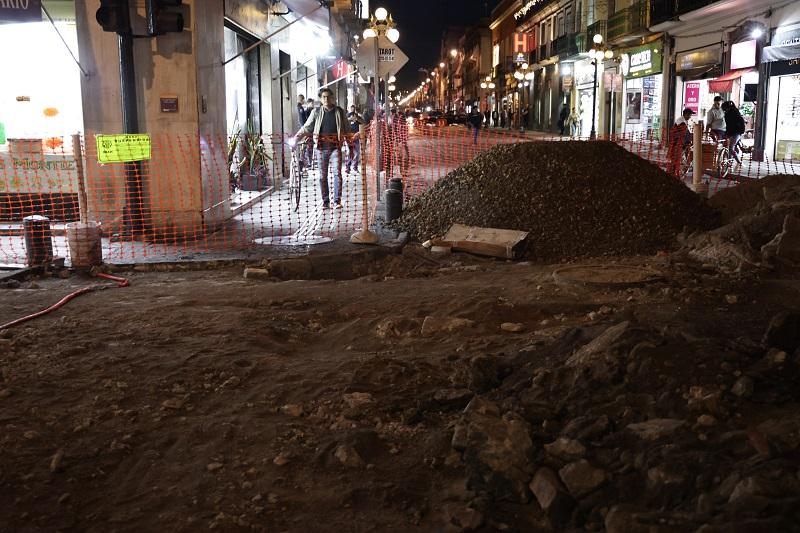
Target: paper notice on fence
[122,148]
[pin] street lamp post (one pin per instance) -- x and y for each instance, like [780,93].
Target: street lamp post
[596,54]
[380,23]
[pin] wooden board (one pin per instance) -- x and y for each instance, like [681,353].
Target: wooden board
[504,243]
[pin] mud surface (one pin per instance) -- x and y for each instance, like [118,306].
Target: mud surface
[438,394]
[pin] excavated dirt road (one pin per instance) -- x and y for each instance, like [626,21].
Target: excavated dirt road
[202,400]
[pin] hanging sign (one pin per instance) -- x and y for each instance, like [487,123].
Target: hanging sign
[2,133]
[20,11]
[691,96]
[122,148]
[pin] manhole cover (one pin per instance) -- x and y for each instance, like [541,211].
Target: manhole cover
[616,276]
[293,240]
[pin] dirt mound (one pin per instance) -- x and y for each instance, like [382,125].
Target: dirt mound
[577,199]
[734,201]
[762,227]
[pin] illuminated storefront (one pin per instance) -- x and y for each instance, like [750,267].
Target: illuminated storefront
[782,64]
[642,68]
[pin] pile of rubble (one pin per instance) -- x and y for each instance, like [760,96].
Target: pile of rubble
[762,227]
[605,429]
[577,199]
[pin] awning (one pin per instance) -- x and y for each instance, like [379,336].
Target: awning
[771,54]
[301,7]
[724,84]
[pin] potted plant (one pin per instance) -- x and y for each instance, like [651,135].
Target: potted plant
[233,160]
[255,160]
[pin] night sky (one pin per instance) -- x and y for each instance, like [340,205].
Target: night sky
[421,24]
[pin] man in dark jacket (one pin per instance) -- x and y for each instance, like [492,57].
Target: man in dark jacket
[475,120]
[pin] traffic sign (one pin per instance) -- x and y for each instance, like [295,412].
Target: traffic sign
[390,58]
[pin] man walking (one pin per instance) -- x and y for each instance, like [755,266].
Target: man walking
[328,125]
[715,120]
[475,121]
[302,111]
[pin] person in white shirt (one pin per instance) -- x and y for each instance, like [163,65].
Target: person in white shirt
[715,120]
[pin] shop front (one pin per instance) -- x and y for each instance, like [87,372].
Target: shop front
[782,65]
[696,70]
[642,69]
[40,108]
[585,91]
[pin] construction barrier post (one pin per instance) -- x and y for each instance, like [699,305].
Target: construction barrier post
[697,149]
[83,199]
[364,235]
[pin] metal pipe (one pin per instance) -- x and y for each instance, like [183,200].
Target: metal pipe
[63,41]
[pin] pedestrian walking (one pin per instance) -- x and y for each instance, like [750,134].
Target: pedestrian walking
[475,121]
[523,123]
[510,118]
[327,125]
[562,119]
[355,120]
[494,118]
[302,111]
[715,120]
[486,118]
[573,122]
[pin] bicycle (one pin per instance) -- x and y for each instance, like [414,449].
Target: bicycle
[297,171]
[725,159]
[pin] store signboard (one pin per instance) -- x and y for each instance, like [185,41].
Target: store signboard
[20,11]
[743,55]
[33,171]
[122,148]
[529,8]
[566,82]
[691,96]
[2,133]
[643,61]
[707,57]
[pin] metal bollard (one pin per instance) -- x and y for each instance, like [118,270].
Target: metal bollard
[38,239]
[394,199]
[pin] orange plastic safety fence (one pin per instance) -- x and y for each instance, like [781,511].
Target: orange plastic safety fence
[203,196]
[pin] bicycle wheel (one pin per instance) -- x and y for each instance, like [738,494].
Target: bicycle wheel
[724,163]
[686,162]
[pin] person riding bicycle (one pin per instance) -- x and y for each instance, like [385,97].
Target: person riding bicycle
[734,129]
[680,138]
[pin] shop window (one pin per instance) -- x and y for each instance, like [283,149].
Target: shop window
[787,133]
[43,101]
[242,83]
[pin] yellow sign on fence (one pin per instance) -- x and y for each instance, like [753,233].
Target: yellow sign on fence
[122,148]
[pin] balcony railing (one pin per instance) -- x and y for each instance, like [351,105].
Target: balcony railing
[633,20]
[566,45]
[593,29]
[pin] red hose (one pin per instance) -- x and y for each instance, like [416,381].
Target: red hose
[121,282]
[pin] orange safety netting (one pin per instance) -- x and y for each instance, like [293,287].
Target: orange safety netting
[217,196]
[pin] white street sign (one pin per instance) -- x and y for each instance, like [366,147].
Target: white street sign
[390,58]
